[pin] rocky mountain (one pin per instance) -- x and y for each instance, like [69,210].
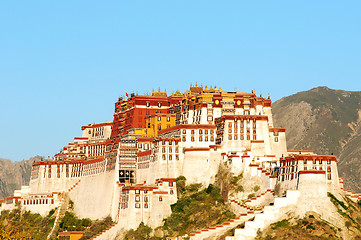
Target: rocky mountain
[14,174]
[326,121]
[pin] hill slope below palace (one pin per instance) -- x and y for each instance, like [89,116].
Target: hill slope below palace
[14,174]
[326,121]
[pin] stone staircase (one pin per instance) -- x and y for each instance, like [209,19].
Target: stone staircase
[219,230]
[72,187]
[60,211]
[254,204]
[352,195]
[269,215]
[108,233]
[244,213]
[63,206]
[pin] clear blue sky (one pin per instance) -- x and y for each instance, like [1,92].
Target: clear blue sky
[63,64]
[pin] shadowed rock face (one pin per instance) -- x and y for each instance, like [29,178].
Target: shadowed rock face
[326,121]
[14,174]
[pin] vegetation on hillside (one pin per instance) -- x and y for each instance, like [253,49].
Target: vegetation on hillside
[313,227]
[17,224]
[70,222]
[142,232]
[195,209]
[350,211]
[310,227]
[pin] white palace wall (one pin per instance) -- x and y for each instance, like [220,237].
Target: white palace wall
[201,166]
[93,196]
[53,184]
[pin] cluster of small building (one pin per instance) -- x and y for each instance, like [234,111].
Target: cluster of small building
[126,168]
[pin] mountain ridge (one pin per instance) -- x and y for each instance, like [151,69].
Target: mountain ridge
[326,121]
[14,174]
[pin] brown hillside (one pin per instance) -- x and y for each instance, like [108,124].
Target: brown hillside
[326,121]
[14,174]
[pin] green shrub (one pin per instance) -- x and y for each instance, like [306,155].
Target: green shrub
[336,202]
[310,227]
[142,232]
[181,184]
[51,212]
[239,188]
[256,188]
[252,195]
[348,224]
[193,187]
[283,223]
[237,178]
[92,228]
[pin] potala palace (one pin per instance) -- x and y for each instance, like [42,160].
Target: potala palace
[127,168]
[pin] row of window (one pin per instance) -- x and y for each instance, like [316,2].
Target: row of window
[169,143]
[294,176]
[200,131]
[242,137]
[170,149]
[170,157]
[38,201]
[241,131]
[241,125]
[305,161]
[201,139]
